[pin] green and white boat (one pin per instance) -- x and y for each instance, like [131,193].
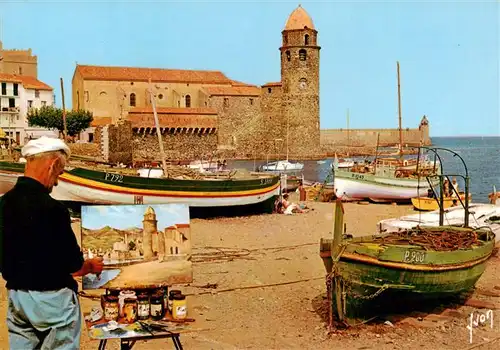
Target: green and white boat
[421,264]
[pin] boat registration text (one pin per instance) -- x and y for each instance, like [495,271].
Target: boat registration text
[414,256]
[113,177]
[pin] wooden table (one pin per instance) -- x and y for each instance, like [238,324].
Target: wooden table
[129,334]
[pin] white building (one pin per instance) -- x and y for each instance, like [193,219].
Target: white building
[17,95]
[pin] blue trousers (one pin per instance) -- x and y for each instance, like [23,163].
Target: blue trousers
[44,320]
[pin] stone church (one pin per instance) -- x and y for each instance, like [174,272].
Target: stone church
[201,112]
[206,110]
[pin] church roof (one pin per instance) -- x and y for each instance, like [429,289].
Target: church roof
[156,74]
[150,210]
[299,19]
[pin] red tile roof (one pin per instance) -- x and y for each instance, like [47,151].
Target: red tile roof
[272,84]
[232,90]
[239,83]
[28,82]
[156,74]
[173,110]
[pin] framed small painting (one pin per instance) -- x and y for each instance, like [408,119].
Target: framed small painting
[142,246]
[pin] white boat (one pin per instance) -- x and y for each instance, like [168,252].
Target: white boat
[480,215]
[282,165]
[205,166]
[386,179]
[359,186]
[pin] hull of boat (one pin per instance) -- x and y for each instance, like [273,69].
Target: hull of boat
[355,186]
[89,186]
[430,204]
[369,274]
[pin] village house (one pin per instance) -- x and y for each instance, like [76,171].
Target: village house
[19,94]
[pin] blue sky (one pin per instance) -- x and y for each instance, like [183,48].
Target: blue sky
[127,216]
[448,51]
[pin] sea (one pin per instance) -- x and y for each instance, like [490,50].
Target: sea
[481,156]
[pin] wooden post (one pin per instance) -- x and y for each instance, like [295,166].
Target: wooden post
[65,132]
[399,117]
[338,228]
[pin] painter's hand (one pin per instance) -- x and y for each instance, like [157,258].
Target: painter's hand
[96,265]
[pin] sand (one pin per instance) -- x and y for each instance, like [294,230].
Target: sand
[270,249]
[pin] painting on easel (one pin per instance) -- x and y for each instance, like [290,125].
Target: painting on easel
[143,246]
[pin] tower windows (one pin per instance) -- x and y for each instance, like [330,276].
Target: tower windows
[302,54]
[132,100]
[269,90]
[306,39]
[226,102]
[288,57]
[188,101]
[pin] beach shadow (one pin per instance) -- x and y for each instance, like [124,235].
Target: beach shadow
[392,309]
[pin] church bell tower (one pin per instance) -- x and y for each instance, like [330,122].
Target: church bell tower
[300,83]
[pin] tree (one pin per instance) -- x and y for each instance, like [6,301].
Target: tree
[52,118]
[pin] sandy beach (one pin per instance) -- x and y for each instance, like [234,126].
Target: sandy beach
[270,290]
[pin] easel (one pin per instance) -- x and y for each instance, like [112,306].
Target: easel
[128,343]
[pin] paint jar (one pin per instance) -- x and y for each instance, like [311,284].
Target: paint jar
[165,300]
[171,298]
[130,310]
[121,299]
[143,306]
[179,307]
[110,307]
[157,311]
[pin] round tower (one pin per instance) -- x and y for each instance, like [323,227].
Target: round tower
[300,83]
[150,227]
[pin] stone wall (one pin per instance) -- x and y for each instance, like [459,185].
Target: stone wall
[239,122]
[176,146]
[272,120]
[368,137]
[120,143]
[86,149]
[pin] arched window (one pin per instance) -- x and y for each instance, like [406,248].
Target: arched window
[288,56]
[306,39]
[188,101]
[132,99]
[302,54]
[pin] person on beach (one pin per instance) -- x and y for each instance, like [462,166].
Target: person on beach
[454,188]
[39,255]
[446,188]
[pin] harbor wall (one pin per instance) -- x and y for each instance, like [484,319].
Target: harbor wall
[331,138]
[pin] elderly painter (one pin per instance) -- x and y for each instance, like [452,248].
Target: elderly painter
[40,255]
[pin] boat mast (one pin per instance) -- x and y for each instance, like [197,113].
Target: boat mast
[348,139]
[158,131]
[399,117]
[287,132]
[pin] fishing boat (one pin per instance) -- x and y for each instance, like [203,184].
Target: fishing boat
[123,186]
[387,179]
[282,166]
[366,273]
[430,204]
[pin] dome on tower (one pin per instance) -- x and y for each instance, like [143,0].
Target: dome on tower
[299,19]
[150,210]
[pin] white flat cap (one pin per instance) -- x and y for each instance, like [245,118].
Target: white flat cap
[44,144]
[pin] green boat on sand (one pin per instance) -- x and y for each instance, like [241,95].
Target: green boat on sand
[419,264]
